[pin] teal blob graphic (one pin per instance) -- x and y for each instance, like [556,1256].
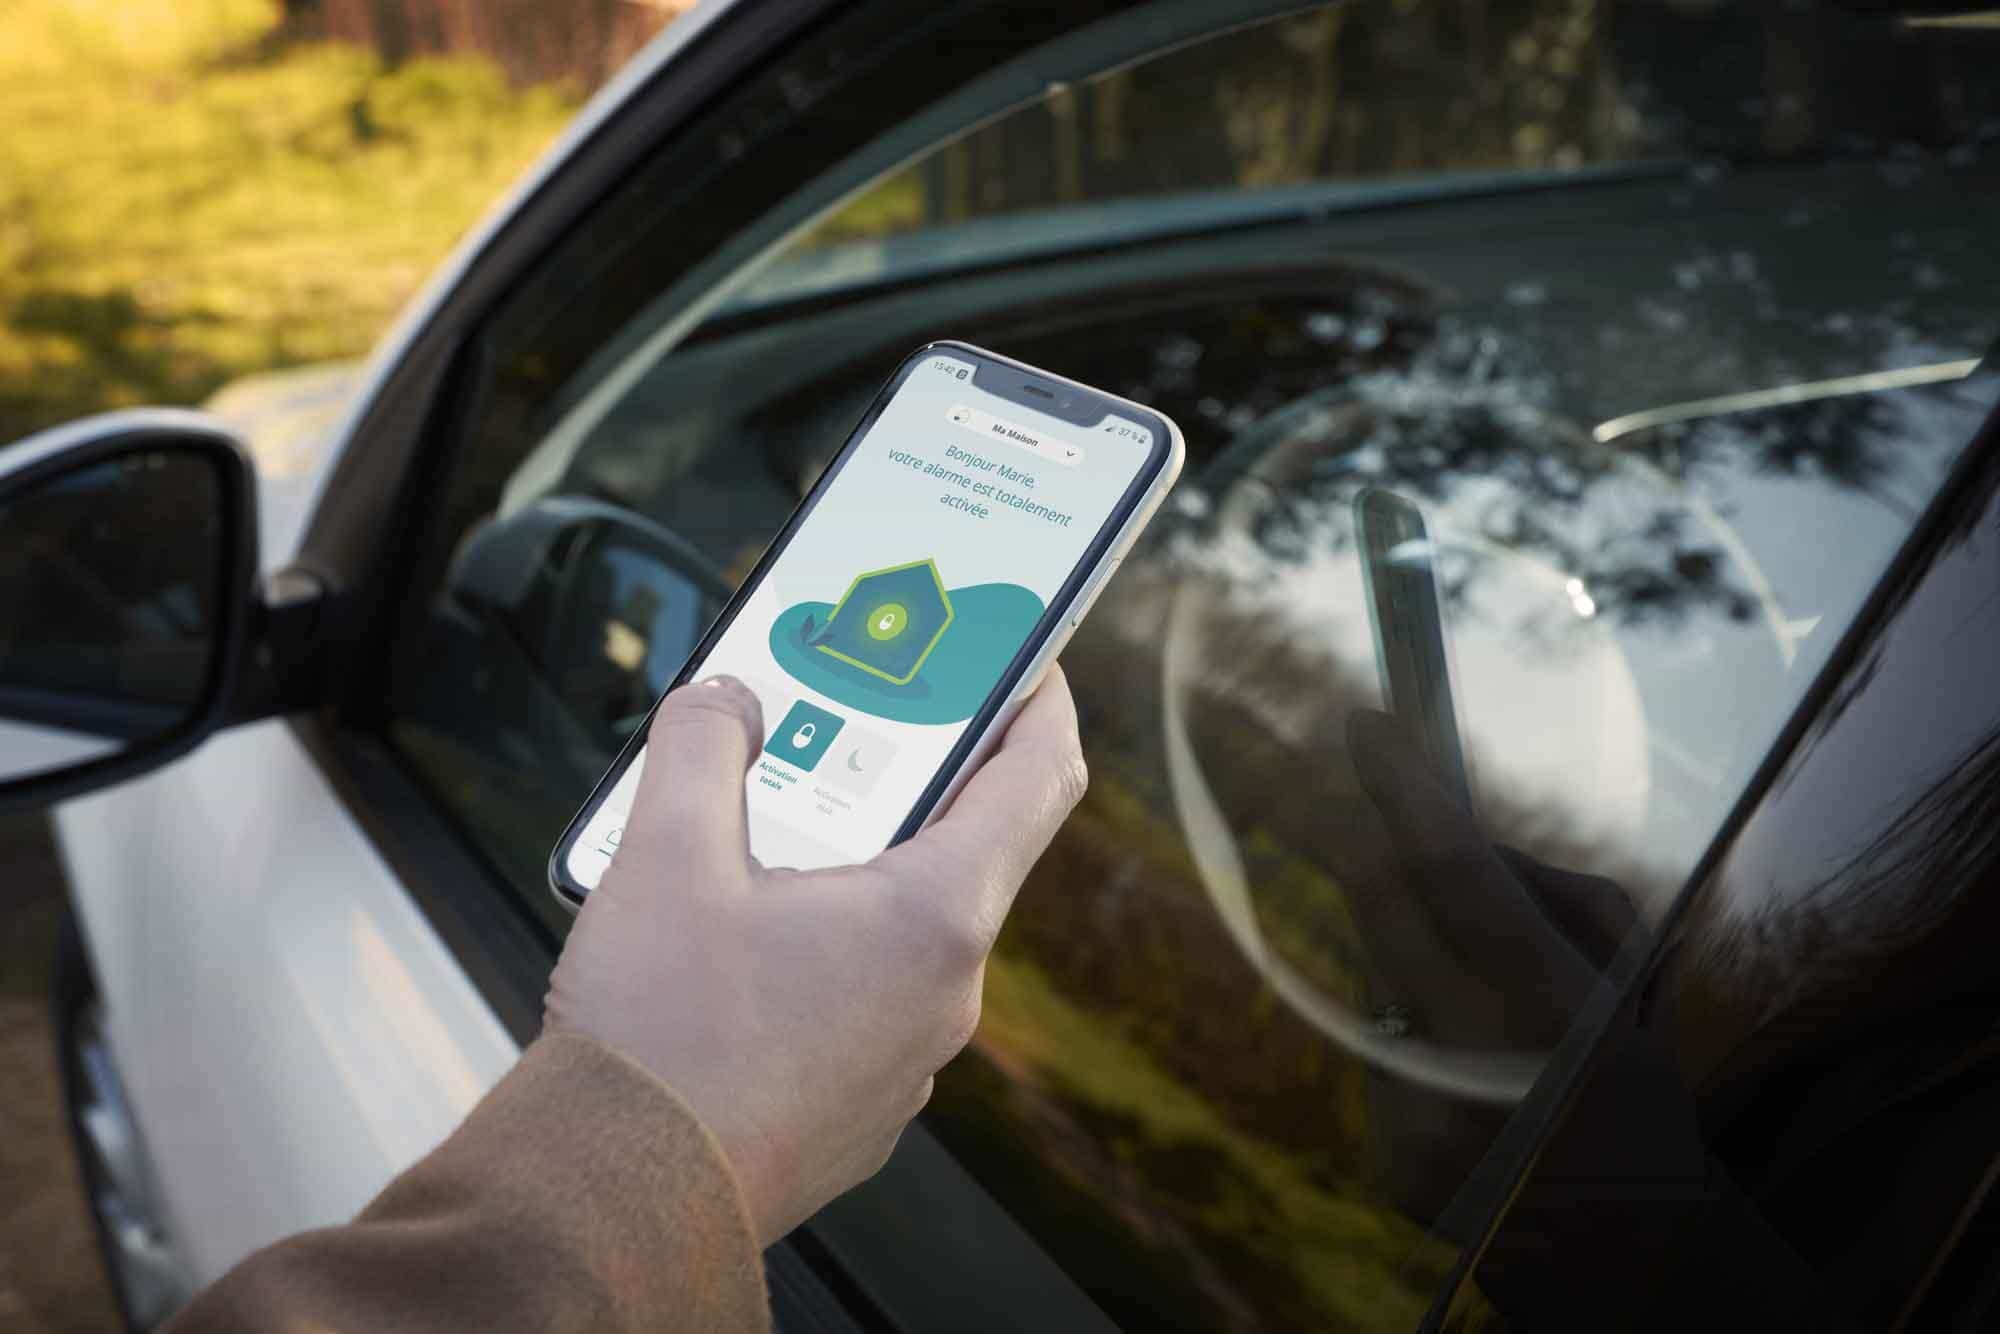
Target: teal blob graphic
[990,624]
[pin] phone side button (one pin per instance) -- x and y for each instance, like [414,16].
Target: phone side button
[1090,598]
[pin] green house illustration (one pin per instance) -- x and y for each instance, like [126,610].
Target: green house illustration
[888,621]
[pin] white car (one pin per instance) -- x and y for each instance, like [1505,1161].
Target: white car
[1674,319]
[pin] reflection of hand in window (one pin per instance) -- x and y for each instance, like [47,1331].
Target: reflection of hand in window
[1472,947]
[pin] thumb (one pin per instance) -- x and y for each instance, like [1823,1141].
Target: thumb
[690,805]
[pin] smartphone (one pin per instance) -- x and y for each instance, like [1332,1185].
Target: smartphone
[1399,570]
[911,603]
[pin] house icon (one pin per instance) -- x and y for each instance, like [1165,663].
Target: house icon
[888,621]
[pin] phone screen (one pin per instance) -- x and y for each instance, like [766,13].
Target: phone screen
[916,584]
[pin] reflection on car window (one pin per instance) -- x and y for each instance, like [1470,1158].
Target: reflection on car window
[1810,1069]
[1668,321]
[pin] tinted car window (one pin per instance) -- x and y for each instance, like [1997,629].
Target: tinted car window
[1667,324]
[1811,1067]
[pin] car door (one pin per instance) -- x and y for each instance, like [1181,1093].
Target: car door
[1527,274]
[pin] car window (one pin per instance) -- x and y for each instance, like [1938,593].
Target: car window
[1790,1119]
[1664,322]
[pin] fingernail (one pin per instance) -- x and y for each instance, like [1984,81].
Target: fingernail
[729,685]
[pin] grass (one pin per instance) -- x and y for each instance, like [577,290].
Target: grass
[186,196]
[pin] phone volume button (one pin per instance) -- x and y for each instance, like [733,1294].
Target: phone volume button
[1090,598]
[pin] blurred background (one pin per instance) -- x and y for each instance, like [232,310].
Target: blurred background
[191,191]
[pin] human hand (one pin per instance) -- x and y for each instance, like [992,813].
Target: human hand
[802,1013]
[1479,947]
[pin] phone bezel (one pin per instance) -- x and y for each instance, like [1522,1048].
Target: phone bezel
[1159,456]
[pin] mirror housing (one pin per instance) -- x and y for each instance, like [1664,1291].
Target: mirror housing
[128,568]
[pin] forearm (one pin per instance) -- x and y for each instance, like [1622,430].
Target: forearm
[581,1193]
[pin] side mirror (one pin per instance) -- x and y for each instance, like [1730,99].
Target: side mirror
[128,560]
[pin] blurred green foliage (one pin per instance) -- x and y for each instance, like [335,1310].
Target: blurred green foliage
[186,195]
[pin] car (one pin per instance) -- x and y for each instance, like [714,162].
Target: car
[1676,321]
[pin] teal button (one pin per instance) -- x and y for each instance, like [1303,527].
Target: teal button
[888,620]
[803,735]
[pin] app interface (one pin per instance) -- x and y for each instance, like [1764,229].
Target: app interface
[878,633]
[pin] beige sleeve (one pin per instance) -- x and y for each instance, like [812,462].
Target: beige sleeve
[581,1194]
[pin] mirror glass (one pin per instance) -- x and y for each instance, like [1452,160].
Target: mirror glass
[111,575]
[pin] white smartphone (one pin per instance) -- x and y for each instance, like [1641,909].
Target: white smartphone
[911,603]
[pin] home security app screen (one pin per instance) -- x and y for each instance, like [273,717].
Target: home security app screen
[878,633]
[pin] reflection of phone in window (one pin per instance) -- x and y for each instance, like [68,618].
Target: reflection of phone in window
[911,603]
[1398,564]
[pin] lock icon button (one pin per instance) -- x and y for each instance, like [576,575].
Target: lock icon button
[888,620]
[803,735]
